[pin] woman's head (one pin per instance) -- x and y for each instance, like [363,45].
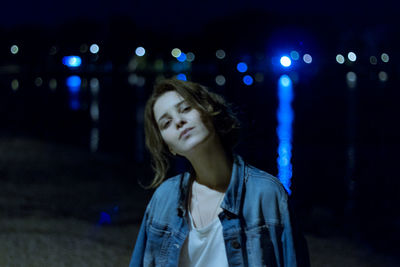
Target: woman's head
[175,106]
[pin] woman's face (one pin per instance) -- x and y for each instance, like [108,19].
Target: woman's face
[175,116]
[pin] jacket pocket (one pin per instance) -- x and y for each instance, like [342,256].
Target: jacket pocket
[156,252]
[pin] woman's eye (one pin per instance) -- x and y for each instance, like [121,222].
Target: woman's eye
[186,109]
[166,124]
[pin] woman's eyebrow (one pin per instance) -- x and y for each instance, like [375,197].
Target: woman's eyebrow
[165,114]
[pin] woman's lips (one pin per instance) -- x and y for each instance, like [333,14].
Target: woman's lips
[185,132]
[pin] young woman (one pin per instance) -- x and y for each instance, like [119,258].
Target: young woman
[223,211]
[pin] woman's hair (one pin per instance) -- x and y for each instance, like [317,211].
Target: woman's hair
[210,105]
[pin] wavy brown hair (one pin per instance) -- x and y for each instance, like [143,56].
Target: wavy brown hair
[210,105]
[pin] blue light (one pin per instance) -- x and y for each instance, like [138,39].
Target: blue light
[181,77]
[105,218]
[241,67]
[72,61]
[182,57]
[285,117]
[285,61]
[74,81]
[248,80]
[140,51]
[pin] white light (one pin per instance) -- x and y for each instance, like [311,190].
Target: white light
[352,56]
[176,52]
[285,61]
[383,77]
[220,80]
[94,86]
[307,58]
[140,51]
[220,54]
[94,111]
[385,57]
[190,57]
[340,59]
[94,49]
[14,49]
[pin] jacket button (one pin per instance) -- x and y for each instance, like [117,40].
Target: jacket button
[235,244]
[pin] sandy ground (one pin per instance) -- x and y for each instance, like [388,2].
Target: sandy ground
[52,197]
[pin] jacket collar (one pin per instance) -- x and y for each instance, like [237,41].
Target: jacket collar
[233,195]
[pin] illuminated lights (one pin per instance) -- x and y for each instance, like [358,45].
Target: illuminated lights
[94,49]
[74,83]
[94,86]
[352,56]
[190,57]
[285,61]
[14,49]
[53,84]
[259,77]
[72,61]
[383,77]
[285,117]
[38,81]
[176,52]
[248,80]
[241,67]
[351,79]
[385,57]
[132,79]
[14,85]
[294,55]
[94,111]
[182,57]
[220,80]
[373,60]
[83,48]
[307,58]
[220,54]
[94,143]
[140,51]
[181,77]
[340,59]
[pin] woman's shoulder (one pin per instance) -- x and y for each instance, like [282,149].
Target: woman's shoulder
[263,181]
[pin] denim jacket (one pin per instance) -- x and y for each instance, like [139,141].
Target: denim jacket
[257,222]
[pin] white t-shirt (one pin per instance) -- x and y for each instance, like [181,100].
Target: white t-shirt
[204,246]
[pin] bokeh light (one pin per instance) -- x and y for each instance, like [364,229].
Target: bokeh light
[285,81]
[182,57]
[181,77]
[72,61]
[94,49]
[140,51]
[307,58]
[220,54]
[38,81]
[241,67]
[74,83]
[351,76]
[190,57]
[383,77]
[373,60]
[385,57]
[352,56]
[220,80]
[340,58]
[53,84]
[14,49]
[294,55]
[285,61]
[248,80]
[15,84]
[176,52]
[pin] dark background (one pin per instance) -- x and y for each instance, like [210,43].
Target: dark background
[345,140]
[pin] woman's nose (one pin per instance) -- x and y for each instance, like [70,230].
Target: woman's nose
[180,122]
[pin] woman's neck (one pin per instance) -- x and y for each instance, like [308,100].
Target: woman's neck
[213,166]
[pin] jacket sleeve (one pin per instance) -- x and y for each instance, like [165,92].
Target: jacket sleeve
[295,249]
[140,245]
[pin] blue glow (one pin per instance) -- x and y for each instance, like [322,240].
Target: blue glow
[285,117]
[105,218]
[242,67]
[182,57]
[181,77]
[74,86]
[140,51]
[74,81]
[72,61]
[248,80]
[285,61]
